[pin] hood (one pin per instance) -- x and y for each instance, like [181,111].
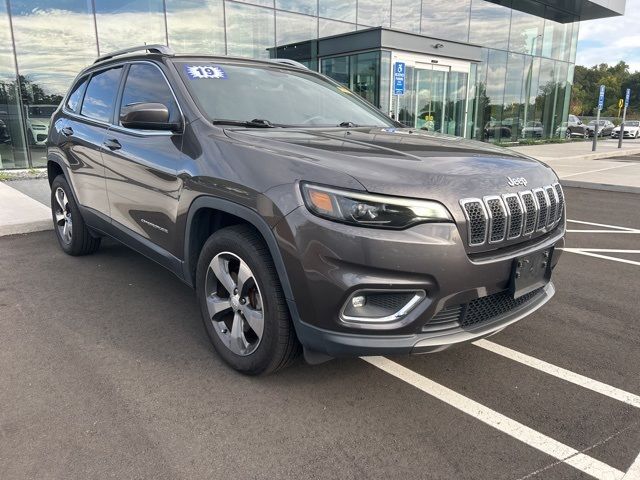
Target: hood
[404,162]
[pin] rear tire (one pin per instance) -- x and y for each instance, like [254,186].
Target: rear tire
[72,233]
[242,303]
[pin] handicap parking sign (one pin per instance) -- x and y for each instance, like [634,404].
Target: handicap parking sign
[398,78]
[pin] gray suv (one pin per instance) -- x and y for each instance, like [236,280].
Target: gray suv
[303,217]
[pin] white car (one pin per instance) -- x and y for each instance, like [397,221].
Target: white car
[631,130]
[38,120]
[533,130]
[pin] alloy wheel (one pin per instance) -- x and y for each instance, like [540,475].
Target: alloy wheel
[62,212]
[234,303]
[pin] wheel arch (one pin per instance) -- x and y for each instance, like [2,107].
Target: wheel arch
[208,214]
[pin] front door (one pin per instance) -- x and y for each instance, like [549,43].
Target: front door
[435,97]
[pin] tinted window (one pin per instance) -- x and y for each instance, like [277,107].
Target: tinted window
[146,84]
[101,94]
[76,95]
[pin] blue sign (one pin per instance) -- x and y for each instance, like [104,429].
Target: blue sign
[398,78]
[626,98]
[601,98]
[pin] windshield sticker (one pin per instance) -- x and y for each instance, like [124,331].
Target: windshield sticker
[204,71]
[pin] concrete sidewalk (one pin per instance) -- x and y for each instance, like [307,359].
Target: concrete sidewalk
[609,168]
[20,213]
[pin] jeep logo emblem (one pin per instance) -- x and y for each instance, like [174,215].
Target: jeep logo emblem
[515,182]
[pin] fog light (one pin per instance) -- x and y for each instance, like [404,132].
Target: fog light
[359,301]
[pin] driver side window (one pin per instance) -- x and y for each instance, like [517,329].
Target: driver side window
[146,84]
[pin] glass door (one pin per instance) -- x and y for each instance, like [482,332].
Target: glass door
[435,97]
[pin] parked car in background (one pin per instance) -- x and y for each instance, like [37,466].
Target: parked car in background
[572,128]
[605,127]
[533,130]
[631,130]
[38,120]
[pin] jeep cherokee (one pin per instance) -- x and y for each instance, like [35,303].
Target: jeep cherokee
[300,213]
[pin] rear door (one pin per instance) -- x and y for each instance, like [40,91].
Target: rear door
[88,113]
[141,165]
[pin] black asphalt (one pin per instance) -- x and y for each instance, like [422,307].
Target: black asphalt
[106,372]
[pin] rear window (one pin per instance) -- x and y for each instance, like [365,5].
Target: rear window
[101,94]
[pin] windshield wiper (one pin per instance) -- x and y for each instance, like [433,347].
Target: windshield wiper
[348,124]
[255,123]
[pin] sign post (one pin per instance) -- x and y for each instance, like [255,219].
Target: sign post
[398,84]
[627,96]
[597,125]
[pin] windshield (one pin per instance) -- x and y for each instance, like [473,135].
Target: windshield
[279,96]
[632,124]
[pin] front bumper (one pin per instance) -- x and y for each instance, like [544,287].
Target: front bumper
[326,262]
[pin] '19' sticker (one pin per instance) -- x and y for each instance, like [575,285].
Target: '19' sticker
[204,71]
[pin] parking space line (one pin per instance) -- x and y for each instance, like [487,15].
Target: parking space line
[602,225]
[563,374]
[634,471]
[537,440]
[598,170]
[581,251]
[608,250]
[604,231]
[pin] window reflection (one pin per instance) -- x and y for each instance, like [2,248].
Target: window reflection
[374,13]
[447,19]
[12,145]
[44,32]
[527,28]
[291,28]
[360,73]
[310,7]
[196,26]
[489,25]
[326,28]
[405,15]
[344,10]
[125,23]
[557,40]
[249,30]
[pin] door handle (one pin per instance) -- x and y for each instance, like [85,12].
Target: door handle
[112,144]
[67,131]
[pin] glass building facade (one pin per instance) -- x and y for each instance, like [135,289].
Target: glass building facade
[519,86]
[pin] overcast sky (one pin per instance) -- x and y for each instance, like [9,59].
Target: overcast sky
[601,41]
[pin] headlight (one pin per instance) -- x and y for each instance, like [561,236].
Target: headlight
[368,210]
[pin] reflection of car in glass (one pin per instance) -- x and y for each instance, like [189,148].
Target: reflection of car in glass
[631,130]
[4,132]
[572,128]
[533,129]
[507,128]
[605,127]
[298,211]
[38,120]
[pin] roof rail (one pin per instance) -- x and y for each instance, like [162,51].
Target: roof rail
[142,48]
[287,61]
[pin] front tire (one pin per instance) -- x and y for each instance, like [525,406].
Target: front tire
[72,233]
[242,303]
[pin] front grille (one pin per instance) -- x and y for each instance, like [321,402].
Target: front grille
[497,218]
[478,311]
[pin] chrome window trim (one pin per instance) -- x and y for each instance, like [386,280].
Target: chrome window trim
[543,224]
[490,228]
[510,214]
[465,201]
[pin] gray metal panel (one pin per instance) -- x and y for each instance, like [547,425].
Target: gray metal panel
[395,40]
[565,11]
[377,38]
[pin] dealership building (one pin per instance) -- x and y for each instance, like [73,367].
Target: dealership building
[491,70]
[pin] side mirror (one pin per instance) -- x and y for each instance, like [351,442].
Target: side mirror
[147,116]
[580,122]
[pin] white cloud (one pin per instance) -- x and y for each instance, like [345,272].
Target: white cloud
[611,40]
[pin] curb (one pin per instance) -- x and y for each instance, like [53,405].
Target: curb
[600,186]
[588,156]
[29,227]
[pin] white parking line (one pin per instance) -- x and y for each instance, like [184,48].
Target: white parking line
[598,170]
[537,440]
[603,225]
[582,251]
[634,471]
[604,231]
[559,372]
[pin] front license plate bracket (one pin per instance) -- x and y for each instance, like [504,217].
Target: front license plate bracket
[530,272]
